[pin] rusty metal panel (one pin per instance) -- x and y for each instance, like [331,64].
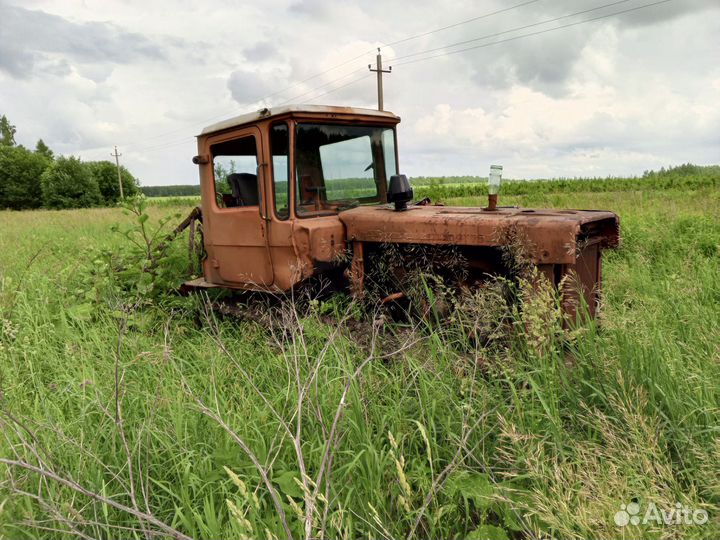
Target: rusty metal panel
[322,112]
[549,236]
[235,238]
[580,282]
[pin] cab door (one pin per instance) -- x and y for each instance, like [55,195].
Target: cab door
[283,249]
[233,224]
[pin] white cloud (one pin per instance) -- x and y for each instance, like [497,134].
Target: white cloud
[616,96]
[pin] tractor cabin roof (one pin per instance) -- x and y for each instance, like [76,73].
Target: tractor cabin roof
[318,111]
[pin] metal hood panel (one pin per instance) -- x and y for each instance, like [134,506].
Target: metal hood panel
[549,236]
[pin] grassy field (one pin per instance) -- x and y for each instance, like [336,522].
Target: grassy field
[165,418]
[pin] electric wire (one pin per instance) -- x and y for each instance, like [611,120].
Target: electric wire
[226,115]
[182,140]
[454,25]
[448,53]
[186,139]
[510,30]
[343,86]
[168,144]
[332,68]
[312,91]
[402,40]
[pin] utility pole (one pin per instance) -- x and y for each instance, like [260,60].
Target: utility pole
[117,163]
[379,70]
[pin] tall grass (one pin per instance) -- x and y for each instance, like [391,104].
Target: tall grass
[173,420]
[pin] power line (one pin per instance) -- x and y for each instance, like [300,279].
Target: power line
[530,34]
[168,144]
[225,115]
[336,66]
[322,73]
[183,140]
[469,41]
[403,40]
[176,142]
[503,32]
[321,86]
[466,21]
[186,139]
[492,35]
[342,86]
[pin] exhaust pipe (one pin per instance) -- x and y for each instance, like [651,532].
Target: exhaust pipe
[494,181]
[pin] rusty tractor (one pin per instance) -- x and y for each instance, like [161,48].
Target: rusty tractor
[295,192]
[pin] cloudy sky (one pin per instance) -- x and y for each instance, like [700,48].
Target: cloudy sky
[633,91]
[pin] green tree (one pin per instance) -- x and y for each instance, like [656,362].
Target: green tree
[7,132]
[20,172]
[43,149]
[105,174]
[68,183]
[221,176]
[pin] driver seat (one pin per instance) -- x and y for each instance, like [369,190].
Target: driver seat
[309,192]
[244,188]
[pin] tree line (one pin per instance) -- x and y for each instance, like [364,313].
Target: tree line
[38,179]
[193,190]
[443,187]
[179,190]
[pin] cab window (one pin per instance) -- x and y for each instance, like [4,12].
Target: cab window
[279,148]
[340,166]
[235,167]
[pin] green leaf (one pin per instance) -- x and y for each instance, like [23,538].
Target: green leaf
[82,312]
[288,485]
[474,486]
[487,532]
[142,218]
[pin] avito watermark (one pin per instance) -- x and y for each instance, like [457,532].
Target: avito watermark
[631,514]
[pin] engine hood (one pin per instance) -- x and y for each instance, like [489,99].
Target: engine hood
[548,236]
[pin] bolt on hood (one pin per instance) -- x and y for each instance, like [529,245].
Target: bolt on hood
[549,236]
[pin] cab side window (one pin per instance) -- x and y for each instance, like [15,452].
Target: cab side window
[235,167]
[279,146]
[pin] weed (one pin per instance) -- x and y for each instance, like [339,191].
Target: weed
[130,424]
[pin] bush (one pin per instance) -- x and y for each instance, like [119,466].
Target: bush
[20,171]
[105,174]
[68,183]
[141,271]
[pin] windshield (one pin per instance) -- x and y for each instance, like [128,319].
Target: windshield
[340,166]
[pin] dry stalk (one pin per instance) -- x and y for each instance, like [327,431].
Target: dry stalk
[174,533]
[297,353]
[245,448]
